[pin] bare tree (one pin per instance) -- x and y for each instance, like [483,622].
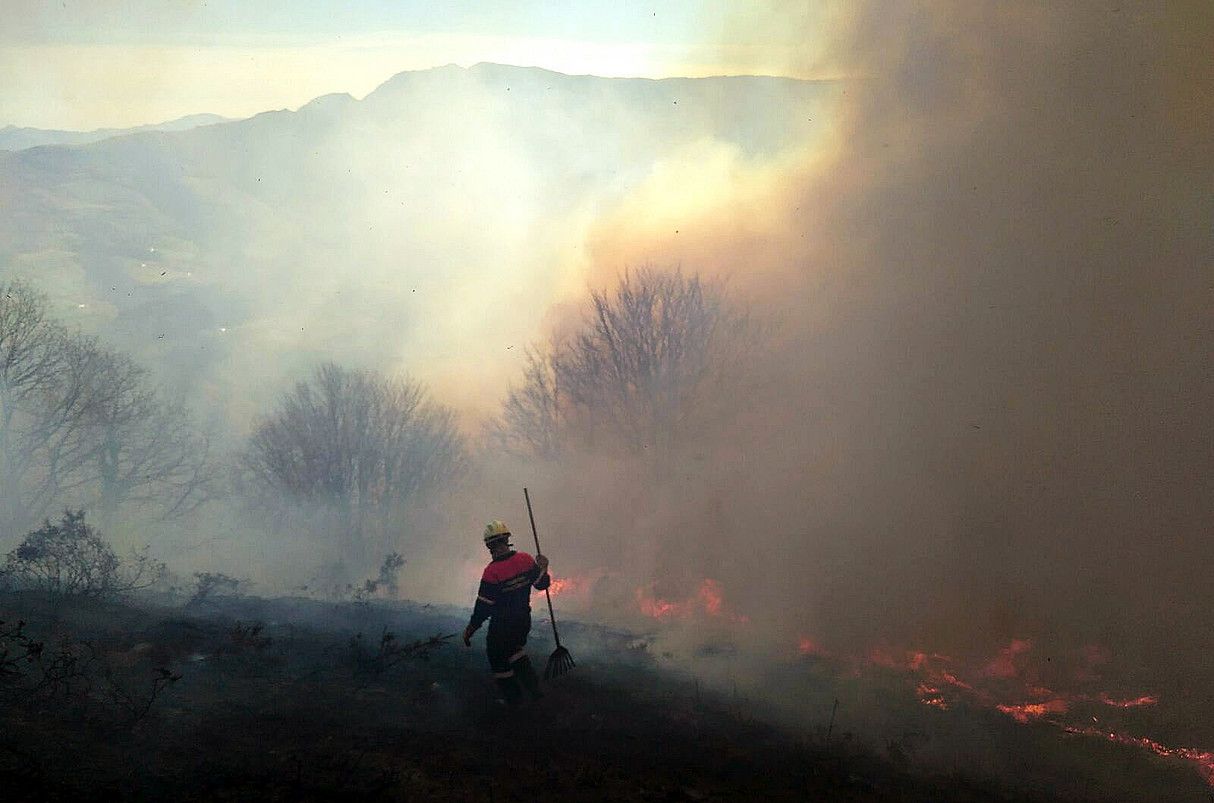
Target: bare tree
[41,393]
[359,444]
[80,423]
[647,363]
[531,417]
[27,361]
[144,449]
[63,425]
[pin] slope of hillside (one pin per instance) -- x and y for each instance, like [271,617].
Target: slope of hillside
[344,229]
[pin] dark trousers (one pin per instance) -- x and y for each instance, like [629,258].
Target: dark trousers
[505,641]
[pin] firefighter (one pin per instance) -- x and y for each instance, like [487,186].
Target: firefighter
[504,598]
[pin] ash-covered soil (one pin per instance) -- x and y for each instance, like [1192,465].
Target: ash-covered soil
[294,699]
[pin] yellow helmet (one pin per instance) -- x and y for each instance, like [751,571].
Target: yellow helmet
[496,529]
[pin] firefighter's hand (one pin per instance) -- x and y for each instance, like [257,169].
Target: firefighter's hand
[542,562]
[468,631]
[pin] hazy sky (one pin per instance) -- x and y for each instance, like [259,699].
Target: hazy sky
[82,64]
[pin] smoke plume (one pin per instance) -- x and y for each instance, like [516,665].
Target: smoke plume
[988,409]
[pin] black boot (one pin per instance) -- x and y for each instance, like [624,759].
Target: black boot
[526,675]
[510,691]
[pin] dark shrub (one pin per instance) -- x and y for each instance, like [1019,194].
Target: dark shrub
[70,559]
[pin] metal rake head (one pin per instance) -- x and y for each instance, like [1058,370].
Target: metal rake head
[559,663]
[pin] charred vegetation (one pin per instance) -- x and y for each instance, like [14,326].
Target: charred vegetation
[291,698]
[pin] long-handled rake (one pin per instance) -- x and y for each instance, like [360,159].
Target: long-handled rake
[560,661]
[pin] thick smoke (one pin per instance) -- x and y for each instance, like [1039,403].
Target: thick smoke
[989,410]
[1015,354]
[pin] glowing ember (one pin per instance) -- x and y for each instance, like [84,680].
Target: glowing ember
[930,695]
[941,680]
[1204,759]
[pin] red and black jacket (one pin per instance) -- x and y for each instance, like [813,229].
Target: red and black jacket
[505,589]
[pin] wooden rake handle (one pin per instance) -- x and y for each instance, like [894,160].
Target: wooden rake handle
[538,551]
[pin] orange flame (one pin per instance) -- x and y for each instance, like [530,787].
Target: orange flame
[560,585]
[580,584]
[709,599]
[953,680]
[1031,711]
[660,608]
[1146,699]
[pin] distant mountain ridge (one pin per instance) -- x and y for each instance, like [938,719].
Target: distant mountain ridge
[378,232]
[14,138]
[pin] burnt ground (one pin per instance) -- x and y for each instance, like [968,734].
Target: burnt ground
[293,699]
